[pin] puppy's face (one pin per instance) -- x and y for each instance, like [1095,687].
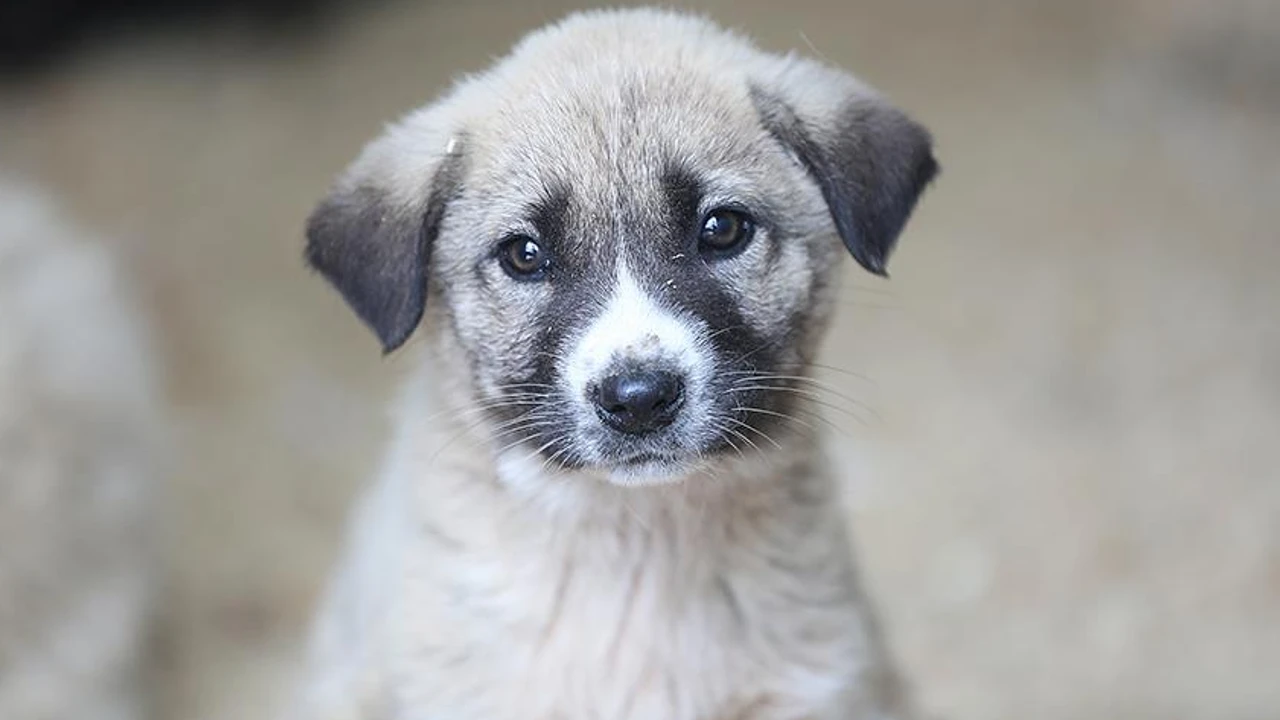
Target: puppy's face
[632,256]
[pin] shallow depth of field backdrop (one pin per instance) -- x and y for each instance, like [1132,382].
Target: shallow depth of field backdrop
[1068,501]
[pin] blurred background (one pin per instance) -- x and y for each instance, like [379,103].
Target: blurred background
[1067,502]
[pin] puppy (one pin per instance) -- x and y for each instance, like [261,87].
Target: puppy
[621,244]
[77,472]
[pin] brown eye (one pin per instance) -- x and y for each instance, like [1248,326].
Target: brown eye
[523,258]
[725,232]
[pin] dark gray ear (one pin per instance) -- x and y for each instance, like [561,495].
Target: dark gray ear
[374,248]
[870,160]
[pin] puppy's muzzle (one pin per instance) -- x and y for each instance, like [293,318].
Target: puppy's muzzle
[639,400]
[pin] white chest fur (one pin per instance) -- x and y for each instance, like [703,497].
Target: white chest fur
[459,601]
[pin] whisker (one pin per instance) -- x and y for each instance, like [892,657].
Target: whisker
[814,398]
[744,439]
[829,423]
[771,413]
[483,405]
[762,346]
[798,378]
[756,430]
[835,369]
[727,429]
[818,416]
[502,429]
[463,431]
[724,330]
[564,452]
[533,425]
[544,447]
[548,460]
[816,385]
[525,388]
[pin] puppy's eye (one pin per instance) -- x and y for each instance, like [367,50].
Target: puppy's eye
[725,232]
[523,258]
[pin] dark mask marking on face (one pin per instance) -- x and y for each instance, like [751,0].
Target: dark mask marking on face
[660,242]
[570,300]
[671,271]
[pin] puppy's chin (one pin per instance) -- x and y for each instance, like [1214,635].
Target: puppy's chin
[650,471]
[521,468]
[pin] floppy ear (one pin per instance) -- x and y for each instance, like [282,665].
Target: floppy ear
[371,237]
[870,160]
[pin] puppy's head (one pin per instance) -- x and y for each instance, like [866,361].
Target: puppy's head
[626,232]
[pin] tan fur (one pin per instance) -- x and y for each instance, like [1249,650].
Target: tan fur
[483,584]
[76,473]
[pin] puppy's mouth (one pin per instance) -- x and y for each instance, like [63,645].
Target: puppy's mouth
[647,458]
[649,469]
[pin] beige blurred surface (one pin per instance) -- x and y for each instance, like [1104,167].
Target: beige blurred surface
[1069,503]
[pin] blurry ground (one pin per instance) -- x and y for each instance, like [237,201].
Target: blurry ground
[1070,505]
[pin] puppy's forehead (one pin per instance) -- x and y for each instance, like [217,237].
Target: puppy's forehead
[616,127]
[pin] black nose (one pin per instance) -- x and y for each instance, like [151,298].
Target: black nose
[639,401]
